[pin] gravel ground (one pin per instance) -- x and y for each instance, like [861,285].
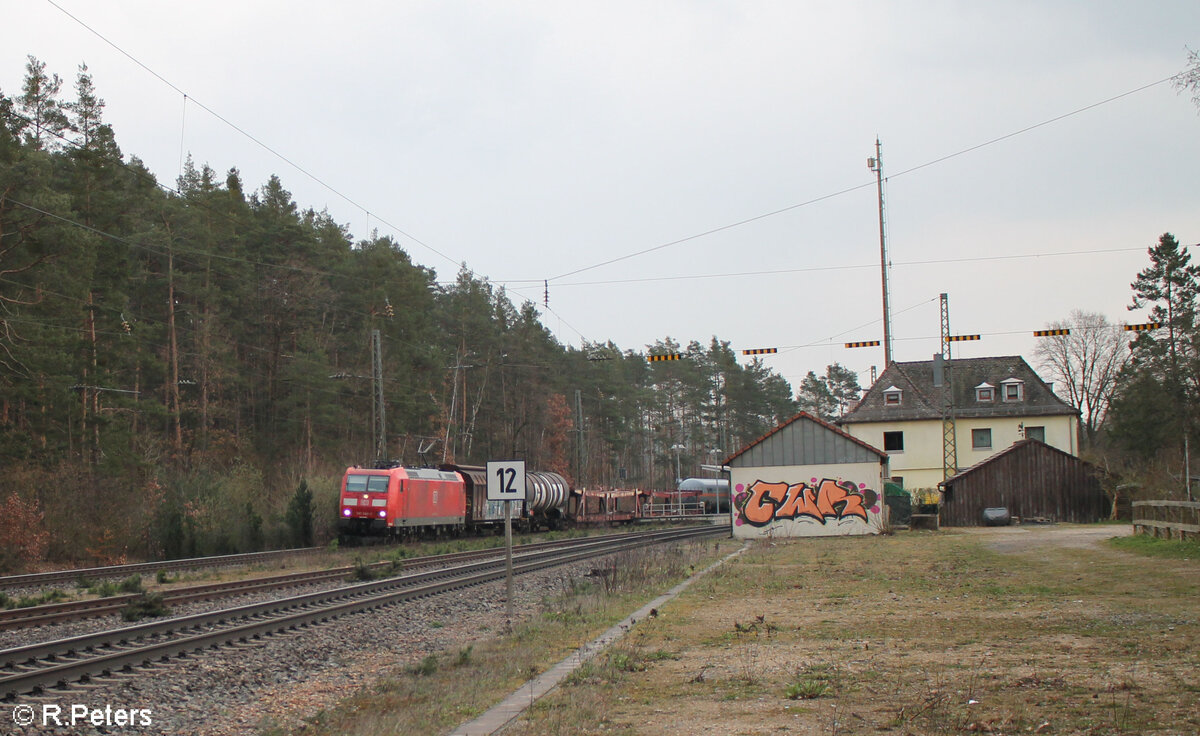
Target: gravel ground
[287,678]
[1022,538]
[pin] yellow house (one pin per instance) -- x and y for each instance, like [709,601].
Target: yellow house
[995,402]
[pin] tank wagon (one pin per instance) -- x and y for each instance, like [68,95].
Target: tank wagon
[713,492]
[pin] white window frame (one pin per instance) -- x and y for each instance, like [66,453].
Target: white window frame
[1015,385]
[893,396]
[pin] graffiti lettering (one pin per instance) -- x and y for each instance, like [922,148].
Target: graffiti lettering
[769,502]
[764,499]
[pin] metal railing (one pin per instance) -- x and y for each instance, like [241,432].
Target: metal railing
[685,508]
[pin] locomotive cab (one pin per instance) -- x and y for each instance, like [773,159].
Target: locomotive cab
[364,505]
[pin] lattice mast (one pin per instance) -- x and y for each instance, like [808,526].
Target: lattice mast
[378,420]
[949,443]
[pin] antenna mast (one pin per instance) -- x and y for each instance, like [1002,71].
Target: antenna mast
[876,164]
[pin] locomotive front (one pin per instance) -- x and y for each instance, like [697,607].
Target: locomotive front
[364,501]
[401,501]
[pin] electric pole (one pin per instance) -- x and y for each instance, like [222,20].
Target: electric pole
[875,164]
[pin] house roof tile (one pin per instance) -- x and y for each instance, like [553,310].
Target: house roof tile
[922,400]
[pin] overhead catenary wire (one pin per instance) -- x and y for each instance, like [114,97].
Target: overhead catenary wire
[708,232]
[848,190]
[850,267]
[255,139]
[739,223]
[644,251]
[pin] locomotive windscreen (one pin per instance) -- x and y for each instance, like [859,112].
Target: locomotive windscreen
[358,483]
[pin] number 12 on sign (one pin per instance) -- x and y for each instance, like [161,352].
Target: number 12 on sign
[506,480]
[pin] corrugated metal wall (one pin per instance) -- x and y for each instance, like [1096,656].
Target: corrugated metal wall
[804,442]
[1030,481]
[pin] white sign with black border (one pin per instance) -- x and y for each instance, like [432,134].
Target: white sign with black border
[506,480]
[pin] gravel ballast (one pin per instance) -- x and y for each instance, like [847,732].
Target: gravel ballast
[285,678]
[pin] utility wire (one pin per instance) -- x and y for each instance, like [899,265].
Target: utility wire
[706,233]
[252,138]
[645,251]
[816,269]
[848,190]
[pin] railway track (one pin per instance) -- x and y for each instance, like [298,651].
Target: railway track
[59,664]
[52,613]
[37,579]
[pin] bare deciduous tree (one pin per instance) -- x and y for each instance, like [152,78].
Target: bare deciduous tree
[1085,363]
[1189,79]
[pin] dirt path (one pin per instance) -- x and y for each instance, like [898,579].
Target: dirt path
[1016,539]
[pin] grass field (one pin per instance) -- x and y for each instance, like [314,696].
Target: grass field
[1051,630]
[919,633]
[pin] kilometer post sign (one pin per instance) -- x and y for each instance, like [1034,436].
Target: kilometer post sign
[506,482]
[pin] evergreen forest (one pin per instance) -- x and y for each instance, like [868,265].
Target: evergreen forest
[187,369]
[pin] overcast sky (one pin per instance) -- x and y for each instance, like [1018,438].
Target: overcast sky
[532,140]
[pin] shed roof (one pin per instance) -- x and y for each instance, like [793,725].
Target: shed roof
[1021,446]
[922,400]
[805,440]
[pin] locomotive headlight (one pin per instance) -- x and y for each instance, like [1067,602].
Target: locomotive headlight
[345,512]
[383,514]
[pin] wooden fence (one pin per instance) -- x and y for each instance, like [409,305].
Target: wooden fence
[1167,519]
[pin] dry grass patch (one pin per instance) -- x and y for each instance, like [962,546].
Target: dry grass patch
[914,634]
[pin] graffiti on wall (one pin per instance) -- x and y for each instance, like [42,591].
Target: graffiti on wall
[763,503]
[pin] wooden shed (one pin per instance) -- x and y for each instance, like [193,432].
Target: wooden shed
[1032,480]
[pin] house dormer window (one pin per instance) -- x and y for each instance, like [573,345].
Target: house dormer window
[1012,389]
[891,396]
[985,392]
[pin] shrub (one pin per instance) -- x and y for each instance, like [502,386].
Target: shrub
[22,537]
[300,516]
[807,689]
[427,667]
[146,605]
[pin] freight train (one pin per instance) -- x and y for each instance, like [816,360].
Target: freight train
[392,500]
[397,501]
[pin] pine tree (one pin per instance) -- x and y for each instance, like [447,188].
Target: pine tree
[1159,393]
[1170,286]
[831,395]
[47,120]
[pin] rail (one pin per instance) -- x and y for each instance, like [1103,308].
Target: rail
[1167,519]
